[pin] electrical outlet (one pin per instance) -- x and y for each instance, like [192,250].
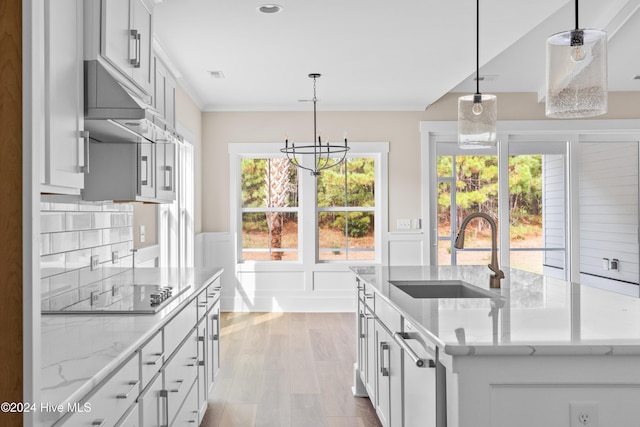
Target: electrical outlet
[115,257]
[417,223]
[584,414]
[403,224]
[95,260]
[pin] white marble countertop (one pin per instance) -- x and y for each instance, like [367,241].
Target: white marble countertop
[532,314]
[78,351]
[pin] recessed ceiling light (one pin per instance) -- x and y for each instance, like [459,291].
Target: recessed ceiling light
[636,77]
[216,74]
[270,8]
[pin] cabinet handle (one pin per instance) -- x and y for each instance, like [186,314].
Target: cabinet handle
[384,347]
[155,362]
[85,155]
[400,338]
[135,38]
[134,385]
[168,177]
[165,395]
[144,165]
[214,327]
[202,340]
[368,296]
[195,359]
[99,423]
[360,326]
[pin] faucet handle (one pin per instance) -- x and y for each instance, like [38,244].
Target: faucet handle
[499,273]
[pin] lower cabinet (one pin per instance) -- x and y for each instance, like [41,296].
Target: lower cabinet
[389,379]
[397,367]
[179,374]
[110,400]
[152,404]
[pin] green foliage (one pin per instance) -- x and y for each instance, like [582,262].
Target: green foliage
[359,223]
[476,180]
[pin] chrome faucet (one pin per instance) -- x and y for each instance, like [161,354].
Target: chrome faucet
[494,281]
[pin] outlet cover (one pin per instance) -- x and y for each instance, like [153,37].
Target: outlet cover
[95,260]
[584,414]
[115,257]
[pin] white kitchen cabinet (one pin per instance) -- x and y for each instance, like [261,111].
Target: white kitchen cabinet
[65,141]
[164,94]
[180,373]
[152,404]
[121,172]
[126,31]
[418,382]
[166,169]
[110,400]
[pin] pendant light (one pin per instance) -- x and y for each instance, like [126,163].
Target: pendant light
[477,113]
[577,73]
[316,156]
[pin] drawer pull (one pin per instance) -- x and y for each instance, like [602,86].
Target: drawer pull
[99,423]
[158,359]
[177,390]
[195,359]
[384,347]
[202,339]
[202,305]
[134,385]
[368,296]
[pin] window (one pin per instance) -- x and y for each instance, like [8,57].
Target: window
[269,210]
[284,214]
[346,211]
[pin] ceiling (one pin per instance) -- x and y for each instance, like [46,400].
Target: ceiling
[377,55]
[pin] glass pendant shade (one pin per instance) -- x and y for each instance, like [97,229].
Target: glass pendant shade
[576,74]
[477,121]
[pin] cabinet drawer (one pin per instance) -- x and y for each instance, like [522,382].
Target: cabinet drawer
[180,373]
[111,399]
[388,315]
[208,297]
[152,404]
[151,359]
[179,327]
[188,414]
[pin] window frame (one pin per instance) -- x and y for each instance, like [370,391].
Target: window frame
[307,206]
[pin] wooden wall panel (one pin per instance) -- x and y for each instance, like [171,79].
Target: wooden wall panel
[11,348]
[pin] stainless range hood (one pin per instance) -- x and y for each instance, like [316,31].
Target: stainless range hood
[113,113]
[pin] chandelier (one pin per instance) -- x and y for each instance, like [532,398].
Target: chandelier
[577,73]
[477,113]
[317,156]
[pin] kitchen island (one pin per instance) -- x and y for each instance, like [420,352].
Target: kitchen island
[539,351]
[81,352]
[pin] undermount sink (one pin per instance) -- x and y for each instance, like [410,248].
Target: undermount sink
[441,289]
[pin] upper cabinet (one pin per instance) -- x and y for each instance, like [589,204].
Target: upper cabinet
[120,32]
[65,143]
[164,96]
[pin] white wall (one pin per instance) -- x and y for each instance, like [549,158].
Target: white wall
[609,209]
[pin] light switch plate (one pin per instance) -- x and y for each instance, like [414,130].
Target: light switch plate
[142,236]
[403,224]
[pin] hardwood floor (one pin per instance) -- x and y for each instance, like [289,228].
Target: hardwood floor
[287,370]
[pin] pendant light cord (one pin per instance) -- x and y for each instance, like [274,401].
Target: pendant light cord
[478,46]
[577,27]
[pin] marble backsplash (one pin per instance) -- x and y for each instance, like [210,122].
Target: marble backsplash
[72,231]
